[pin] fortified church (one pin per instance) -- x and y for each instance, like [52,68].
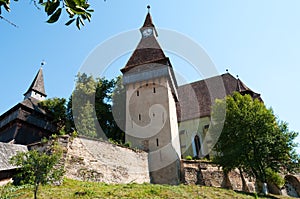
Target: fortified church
[160,115]
[162,118]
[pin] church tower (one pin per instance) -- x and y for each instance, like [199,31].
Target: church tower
[27,122]
[151,96]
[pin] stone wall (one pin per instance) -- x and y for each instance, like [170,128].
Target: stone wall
[100,161]
[207,174]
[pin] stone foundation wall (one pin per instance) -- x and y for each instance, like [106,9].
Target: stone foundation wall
[207,174]
[100,161]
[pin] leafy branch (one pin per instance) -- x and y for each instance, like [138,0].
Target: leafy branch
[78,10]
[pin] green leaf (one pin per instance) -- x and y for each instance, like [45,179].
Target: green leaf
[69,22]
[55,16]
[6,6]
[78,23]
[70,3]
[83,16]
[88,15]
[81,21]
[51,6]
[79,9]
[70,12]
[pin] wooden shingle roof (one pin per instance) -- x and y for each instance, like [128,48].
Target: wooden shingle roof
[6,152]
[30,112]
[148,21]
[148,49]
[196,99]
[38,84]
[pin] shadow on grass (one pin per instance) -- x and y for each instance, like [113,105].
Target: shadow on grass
[255,195]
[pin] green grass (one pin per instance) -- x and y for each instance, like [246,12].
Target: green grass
[79,189]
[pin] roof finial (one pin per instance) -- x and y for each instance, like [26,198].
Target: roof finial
[227,70]
[43,63]
[148,7]
[237,76]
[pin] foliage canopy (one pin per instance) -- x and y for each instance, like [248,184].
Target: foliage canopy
[92,102]
[253,139]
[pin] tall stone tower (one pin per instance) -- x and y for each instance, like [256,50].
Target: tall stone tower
[151,96]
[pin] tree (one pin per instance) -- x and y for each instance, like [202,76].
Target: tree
[92,102]
[119,110]
[252,139]
[38,168]
[82,105]
[103,101]
[78,10]
[56,107]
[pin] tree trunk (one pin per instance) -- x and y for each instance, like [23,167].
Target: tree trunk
[36,188]
[244,184]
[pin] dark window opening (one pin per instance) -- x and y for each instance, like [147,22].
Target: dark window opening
[154,91]
[157,144]
[137,93]
[206,126]
[197,145]
[146,84]
[140,117]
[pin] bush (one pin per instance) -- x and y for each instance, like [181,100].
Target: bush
[188,157]
[127,144]
[274,177]
[74,134]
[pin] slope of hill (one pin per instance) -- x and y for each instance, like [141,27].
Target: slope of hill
[79,189]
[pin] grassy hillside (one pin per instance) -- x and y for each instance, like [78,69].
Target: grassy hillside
[78,189]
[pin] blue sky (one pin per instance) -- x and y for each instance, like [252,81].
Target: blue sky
[257,40]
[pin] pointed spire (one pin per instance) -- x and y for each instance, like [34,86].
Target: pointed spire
[148,49]
[37,88]
[148,21]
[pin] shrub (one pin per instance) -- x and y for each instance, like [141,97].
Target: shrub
[127,144]
[274,177]
[188,157]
